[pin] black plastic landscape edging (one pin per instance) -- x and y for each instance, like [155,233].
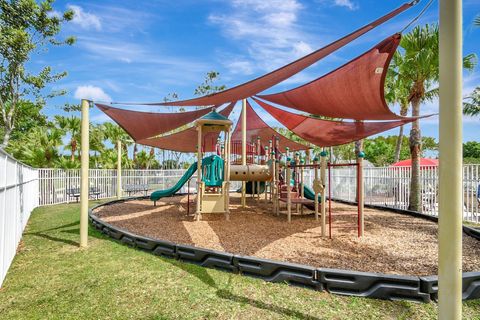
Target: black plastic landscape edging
[343,282]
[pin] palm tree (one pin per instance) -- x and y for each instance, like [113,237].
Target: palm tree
[144,160]
[40,149]
[397,91]
[471,106]
[66,163]
[70,126]
[114,133]
[420,72]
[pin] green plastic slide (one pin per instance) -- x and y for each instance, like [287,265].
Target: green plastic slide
[156,195]
[310,194]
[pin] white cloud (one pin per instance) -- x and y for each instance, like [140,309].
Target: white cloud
[91,93]
[240,67]
[269,31]
[84,19]
[347,4]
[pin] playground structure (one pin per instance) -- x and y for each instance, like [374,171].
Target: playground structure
[332,96]
[265,162]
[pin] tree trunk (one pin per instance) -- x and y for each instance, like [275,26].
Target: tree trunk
[415,201]
[73,147]
[398,147]
[6,137]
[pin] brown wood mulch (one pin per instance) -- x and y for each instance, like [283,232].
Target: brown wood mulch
[393,243]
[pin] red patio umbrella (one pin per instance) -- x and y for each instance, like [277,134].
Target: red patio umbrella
[424,162]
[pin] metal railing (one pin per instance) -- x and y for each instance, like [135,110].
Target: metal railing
[18,197]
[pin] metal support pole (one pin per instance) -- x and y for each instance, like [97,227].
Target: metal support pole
[244,147]
[85,148]
[289,193]
[119,169]
[450,171]
[323,169]
[360,194]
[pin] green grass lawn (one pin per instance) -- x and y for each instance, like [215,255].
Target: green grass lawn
[51,278]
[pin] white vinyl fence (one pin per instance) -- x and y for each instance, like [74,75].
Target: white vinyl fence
[18,197]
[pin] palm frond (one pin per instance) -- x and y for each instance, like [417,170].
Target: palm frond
[477,20]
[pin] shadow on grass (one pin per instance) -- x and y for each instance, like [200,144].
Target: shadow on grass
[198,272]
[227,295]
[202,274]
[45,234]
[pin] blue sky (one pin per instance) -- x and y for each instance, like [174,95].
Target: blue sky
[144,50]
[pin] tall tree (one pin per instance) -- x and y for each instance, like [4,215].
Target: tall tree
[40,148]
[471,105]
[420,71]
[397,91]
[28,116]
[114,133]
[71,127]
[208,85]
[26,28]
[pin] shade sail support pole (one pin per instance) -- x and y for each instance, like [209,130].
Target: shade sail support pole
[244,147]
[85,148]
[119,169]
[450,167]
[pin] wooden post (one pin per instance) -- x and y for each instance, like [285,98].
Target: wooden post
[323,176]
[450,139]
[360,193]
[302,186]
[119,169]
[227,172]
[289,191]
[268,183]
[84,185]
[244,148]
[296,178]
[199,175]
[315,162]
[259,154]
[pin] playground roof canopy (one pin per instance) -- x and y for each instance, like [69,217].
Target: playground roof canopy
[353,91]
[186,140]
[327,133]
[268,80]
[141,125]
[256,127]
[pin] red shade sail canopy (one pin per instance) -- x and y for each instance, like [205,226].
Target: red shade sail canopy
[140,125]
[325,133]
[186,140]
[424,162]
[353,91]
[256,127]
[270,79]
